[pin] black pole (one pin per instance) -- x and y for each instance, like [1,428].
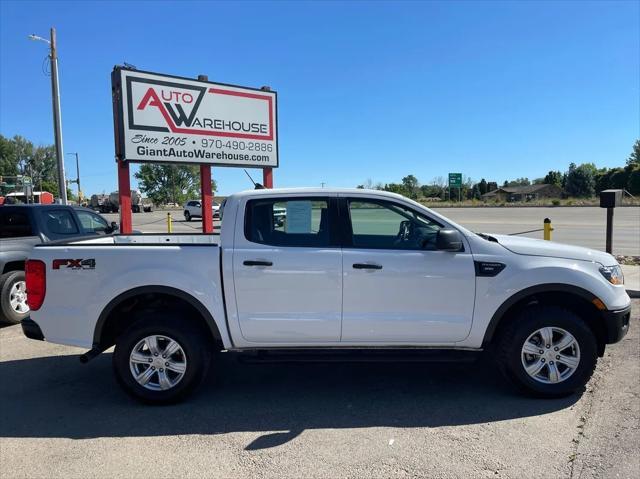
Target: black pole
[78,177]
[609,230]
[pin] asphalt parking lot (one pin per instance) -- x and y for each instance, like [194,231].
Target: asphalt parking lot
[582,226]
[63,419]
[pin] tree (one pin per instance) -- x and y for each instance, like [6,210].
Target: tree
[482,186]
[602,179]
[466,188]
[517,182]
[430,191]
[411,186]
[580,181]
[170,183]
[634,157]
[368,185]
[395,188]
[634,181]
[491,186]
[618,178]
[18,156]
[553,178]
[8,159]
[475,192]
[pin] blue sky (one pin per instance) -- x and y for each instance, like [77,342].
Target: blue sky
[366,89]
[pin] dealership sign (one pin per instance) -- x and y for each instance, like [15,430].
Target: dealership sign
[163,118]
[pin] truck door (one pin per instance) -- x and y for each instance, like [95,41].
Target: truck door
[397,287]
[287,267]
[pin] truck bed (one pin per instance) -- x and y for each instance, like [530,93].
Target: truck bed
[85,275]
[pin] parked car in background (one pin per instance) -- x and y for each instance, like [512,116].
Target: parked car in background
[193,209]
[22,227]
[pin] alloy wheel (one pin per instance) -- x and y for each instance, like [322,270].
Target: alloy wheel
[550,355]
[158,362]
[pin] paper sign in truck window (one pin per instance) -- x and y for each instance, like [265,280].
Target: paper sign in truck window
[298,217]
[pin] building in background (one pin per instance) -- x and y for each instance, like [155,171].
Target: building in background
[524,193]
[39,197]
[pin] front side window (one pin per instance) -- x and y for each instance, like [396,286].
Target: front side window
[92,223]
[387,225]
[59,222]
[290,222]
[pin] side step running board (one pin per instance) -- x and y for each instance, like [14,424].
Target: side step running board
[358,356]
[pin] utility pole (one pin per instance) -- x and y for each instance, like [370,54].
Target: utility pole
[77,180]
[57,120]
[57,117]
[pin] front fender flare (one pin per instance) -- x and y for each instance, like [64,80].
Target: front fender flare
[531,291]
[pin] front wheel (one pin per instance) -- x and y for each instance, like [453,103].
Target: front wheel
[187,216]
[160,359]
[547,351]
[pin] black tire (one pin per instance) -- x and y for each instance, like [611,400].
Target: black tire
[7,281]
[187,216]
[508,351]
[190,338]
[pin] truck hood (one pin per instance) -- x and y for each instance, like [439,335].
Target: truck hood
[538,247]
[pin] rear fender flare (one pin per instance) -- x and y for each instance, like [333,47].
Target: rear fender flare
[115,302]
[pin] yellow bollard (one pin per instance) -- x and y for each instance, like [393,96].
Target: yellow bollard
[547,229]
[169,224]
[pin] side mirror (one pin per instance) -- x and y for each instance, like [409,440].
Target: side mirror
[449,240]
[114,227]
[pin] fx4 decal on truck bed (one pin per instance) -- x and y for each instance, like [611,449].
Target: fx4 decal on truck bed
[74,263]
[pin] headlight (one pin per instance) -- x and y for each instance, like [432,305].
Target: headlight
[613,274]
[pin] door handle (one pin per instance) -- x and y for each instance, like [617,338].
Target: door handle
[257,263]
[366,266]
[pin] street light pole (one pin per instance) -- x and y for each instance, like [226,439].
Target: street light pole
[77,180]
[57,117]
[57,120]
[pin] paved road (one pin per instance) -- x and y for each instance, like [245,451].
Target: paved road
[579,226]
[582,226]
[63,419]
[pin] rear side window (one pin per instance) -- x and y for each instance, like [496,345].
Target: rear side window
[302,222]
[14,224]
[59,222]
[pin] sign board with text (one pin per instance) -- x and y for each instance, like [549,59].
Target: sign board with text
[455,180]
[167,119]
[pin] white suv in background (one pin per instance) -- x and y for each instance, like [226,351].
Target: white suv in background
[193,209]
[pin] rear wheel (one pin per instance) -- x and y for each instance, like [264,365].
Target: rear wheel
[547,351]
[161,359]
[13,297]
[187,216]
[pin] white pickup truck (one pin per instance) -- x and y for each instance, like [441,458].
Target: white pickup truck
[347,274]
